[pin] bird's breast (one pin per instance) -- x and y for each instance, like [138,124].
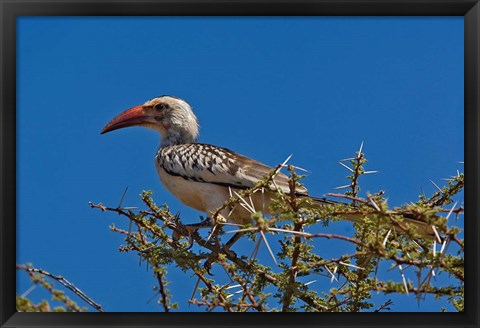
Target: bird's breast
[202,196]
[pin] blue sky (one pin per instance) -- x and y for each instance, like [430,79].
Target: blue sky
[266,87]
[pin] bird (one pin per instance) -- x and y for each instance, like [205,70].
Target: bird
[204,176]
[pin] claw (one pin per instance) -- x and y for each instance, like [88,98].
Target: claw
[190,245]
[207,266]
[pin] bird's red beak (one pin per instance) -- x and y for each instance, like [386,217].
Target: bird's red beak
[133,116]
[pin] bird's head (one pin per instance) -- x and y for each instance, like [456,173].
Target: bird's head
[172,117]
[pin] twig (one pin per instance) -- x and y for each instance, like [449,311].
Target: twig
[163,292]
[67,284]
[384,306]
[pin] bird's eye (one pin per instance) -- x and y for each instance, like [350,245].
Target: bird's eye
[160,107]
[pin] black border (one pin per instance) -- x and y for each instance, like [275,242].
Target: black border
[10,9]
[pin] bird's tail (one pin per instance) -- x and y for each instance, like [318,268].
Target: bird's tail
[424,229]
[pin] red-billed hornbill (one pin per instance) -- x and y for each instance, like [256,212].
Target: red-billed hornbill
[203,176]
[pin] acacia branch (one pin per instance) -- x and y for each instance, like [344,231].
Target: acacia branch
[65,283]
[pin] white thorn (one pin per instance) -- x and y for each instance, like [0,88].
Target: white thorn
[304,234]
[230,212]
[351,265]
[443,246]
[451,210]
[360,150]
[386,237]
[251,203]
[436,234]
[403,278]
[335,271]
[28,291]
[285,161]
[230,224]
[375,205]
[240,230]
[333,276]
[419,248]
[310,282]
[351,170]
[234,286]
[300,169]
[280,167]
[268,247]
[435,185]
[255,249]
[245,202]
[276,186]
[343,187]
[195,289]
[211,233]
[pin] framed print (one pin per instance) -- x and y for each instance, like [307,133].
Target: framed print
[307,157]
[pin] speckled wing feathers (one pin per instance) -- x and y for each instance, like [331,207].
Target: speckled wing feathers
[211,164]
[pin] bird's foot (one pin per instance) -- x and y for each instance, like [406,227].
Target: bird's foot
[225,249]
[208,265]
[211,259]
[187,230]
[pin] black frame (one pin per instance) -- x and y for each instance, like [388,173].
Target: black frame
[10,9]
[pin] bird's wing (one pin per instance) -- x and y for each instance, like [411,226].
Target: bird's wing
[211,164]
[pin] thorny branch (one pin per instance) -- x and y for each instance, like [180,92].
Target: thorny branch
[353,277]
[163,292]
[64,282]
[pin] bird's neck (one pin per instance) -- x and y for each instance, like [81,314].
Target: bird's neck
[176,137]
